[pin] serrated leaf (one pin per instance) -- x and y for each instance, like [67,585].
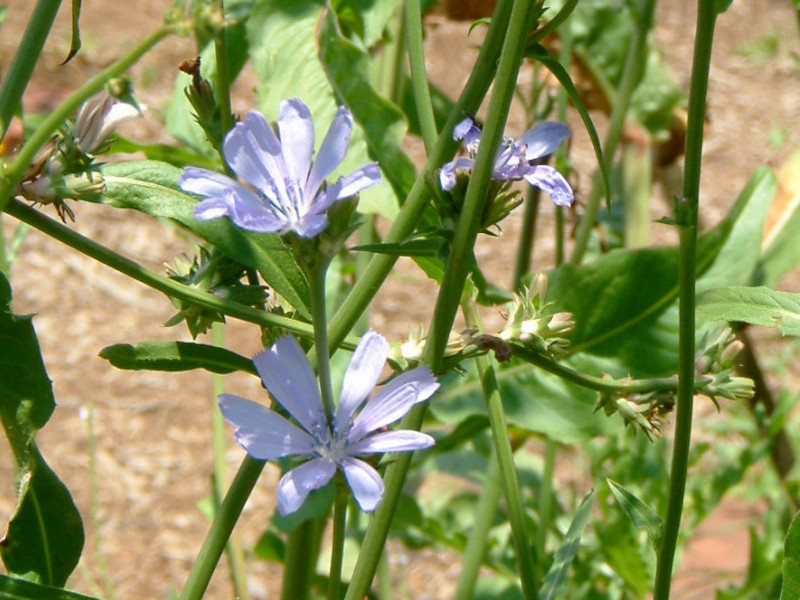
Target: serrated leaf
[44,537]
[284,49]
[176,356]
[551,586]
[20,589]
[151,187]
[791,562]
[642,516]
[755,305]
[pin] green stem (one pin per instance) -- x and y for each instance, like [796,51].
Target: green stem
[19,73]
[302,551]
[686,217]
[478,539]
[505,460]
[631,76]
[222,88]
[320,320]
[55,119]
[158,282]
[546,496]
[419,78]
[385,588]
[221,529]
[337,548]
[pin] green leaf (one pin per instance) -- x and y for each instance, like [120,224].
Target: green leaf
[414,247]
[75,43]
[44,538]
[384,125]
[176,356]
[371,17]
[284,48]
[754,305]
[551,586]
[20,589]
[642,516]
[151,187]
[791,562]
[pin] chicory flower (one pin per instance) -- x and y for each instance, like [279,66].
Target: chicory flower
[287,375]
[97,119]
[285,191]
[515,159]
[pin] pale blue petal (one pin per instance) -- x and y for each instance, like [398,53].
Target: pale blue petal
[204,182]
[296,129]
[311,225]
[248,212]
[332,152]
[447,176]
[468,131]
[264,434]
[361,376]
[546,178]
[287,375]
[213,208]
[358,180]
[297,484]
[364,481]
[393,401]
[402,440]
[543,139]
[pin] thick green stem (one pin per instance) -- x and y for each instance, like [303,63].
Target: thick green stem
[158,282]
[631,75]
[686,218]
[302,551]
[56,118]
[337,547]
[505,460]
[221,529]
[478,539]
[419,78]
[19,73]
[320,321]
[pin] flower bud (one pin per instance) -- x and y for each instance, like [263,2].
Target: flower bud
[97,119]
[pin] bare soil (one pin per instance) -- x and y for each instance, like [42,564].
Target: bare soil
[151,431]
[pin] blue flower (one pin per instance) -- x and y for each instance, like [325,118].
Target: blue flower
[515,159]
[288,377]
[285,191]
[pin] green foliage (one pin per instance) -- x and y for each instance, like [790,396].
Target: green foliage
[755,305]
[176,356]
[151,187]
[20,589]
[44,538]
[791,562]
[640,514]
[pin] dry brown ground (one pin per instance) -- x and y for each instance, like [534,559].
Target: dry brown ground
[152,430]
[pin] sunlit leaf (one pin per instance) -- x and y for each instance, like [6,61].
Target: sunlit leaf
[755,305]
[642,516]
[19,589]
[176,356]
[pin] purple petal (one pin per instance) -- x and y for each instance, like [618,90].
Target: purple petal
[543,138]
[248,212]
[297,138]
[510,163]
[468,131]
[546,178]
[213,208]
[264,434]
[297,484]
[332,152]
[361,376]
[364,481]
[311,225]
[447,176]
[204,182]
[358,180]
[287,375]
[254,154]
[403,440]
[393,401]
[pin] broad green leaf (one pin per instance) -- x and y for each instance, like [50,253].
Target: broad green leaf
[19,589]
[44,537]
[348,70]
[151,187]
[176,356]
[642,516]
[551,586]
[791,562]
[369,16]
[283,47]
[754,305]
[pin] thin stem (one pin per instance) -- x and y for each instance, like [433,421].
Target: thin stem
[337,548]
[320,321]
[546,496]
[686,218]
[505,460]
[222,88]
[419,78]
[631,75]
[526,237]
[54,120]
[302,550]
[478,539]
[221,529]
[16,80]
[158,282]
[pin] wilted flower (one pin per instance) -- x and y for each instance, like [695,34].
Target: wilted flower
[285,191]
[97,119]
[287,375]
[515,159]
